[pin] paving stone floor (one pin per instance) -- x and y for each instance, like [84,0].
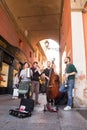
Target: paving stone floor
[40,120]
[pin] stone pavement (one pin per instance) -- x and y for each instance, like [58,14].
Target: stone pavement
[40,120]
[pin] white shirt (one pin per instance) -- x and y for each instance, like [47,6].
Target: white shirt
[23,74]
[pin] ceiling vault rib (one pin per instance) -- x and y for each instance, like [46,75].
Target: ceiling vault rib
[33,25]
[44,29]
[27,16]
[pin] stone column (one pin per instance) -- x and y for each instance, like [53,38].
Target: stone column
[78,49]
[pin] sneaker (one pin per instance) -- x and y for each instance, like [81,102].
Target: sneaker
[67,108]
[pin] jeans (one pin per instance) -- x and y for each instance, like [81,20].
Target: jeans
[68,89]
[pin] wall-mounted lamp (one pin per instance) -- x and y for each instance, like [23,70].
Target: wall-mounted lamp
[46,44]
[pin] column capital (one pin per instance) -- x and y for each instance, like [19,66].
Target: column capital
[78,5]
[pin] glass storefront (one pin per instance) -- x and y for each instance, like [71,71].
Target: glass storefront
[14,72]
[4,75]
[11,61]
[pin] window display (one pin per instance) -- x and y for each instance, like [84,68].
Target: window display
[4,75]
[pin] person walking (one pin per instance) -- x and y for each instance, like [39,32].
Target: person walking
[69,82]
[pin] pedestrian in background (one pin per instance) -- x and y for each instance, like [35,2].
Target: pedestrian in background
[15,86]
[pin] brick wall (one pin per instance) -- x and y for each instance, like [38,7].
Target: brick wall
[65,33]
[9,32]
[85,33]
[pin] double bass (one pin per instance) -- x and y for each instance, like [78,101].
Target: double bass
[53,85]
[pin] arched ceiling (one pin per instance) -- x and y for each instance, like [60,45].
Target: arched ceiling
[37,19]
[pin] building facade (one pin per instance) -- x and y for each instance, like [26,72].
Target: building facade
[15,49]
[74,44]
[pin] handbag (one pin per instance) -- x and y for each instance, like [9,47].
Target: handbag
[15,92]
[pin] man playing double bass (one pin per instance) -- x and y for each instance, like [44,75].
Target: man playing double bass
[47,75]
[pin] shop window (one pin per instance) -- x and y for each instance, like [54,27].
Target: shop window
[4,75]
